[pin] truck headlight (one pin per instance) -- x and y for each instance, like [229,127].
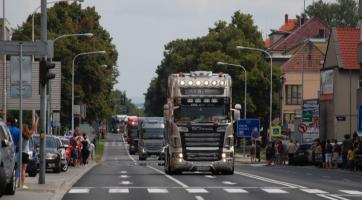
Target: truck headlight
[223,155]
[180,155]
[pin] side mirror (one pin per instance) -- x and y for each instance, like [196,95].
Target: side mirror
[237,106]
[4,143]
[166,109]
[237,112]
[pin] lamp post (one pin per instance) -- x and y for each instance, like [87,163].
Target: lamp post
[36,10]
[49,117]
[271,83]
[75,57]
[245,85]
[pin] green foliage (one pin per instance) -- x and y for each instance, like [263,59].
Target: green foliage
[203,53]
[93,83]
[343,13]
[128,108]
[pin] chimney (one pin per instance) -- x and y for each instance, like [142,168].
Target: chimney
[286,18]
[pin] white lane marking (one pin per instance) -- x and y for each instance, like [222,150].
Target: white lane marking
[118,190]
[290,185]
[79,191]
[314,191]
[157,191]
[199,198]
[209,176]
[125,183]
[170,177]
[123,172]
[274,191]
[129,155]
[124,176]
[331,197]
[337,197]
[235,190]
[228,183]
[353,192]
[196,190]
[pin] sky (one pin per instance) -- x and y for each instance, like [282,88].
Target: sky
[141,28]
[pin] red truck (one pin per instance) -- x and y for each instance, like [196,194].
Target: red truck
[132,134]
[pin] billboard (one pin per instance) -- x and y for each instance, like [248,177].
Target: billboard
[248,128]
[311,119]
[326,92]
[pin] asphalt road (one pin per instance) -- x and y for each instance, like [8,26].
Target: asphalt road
[121,176]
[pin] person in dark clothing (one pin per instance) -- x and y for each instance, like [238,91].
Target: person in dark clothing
[269,154]
[346,145]
[85,149]
[257,150]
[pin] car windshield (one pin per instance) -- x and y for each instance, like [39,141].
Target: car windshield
[50,142]
[217,113]
[152,133]
[65,141]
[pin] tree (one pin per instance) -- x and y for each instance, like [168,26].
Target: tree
[93,83]
[204,52]
[343,13]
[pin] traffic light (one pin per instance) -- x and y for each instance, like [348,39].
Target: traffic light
[44,71]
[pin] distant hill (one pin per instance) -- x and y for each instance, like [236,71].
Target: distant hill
[138,101]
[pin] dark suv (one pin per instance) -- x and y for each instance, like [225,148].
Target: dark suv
[7,161]
[52,152]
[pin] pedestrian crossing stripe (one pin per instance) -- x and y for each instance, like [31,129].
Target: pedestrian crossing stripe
[196,190]
[79,191]
[274,191]
[156,190]
[352,192]
[235,190]
[314,191]
[118,191]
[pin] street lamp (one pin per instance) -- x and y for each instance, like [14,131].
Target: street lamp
[49,117]
[245,85]
[36,10]
[75,57]
[271,83]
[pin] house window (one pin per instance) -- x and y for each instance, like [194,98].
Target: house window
[293,94]
[289,118]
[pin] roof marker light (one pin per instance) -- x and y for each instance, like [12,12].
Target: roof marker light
[182,83]
[198,83]
[206,83]
[214,83]
[190,83]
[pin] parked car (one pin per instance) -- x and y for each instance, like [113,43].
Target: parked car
[63,154]
[8,162]
[52,153]
[68,149]
[304,154]
[34,161]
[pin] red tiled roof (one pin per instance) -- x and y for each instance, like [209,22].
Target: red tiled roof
[290,26]
[348,40]
[310,29]
[302,61]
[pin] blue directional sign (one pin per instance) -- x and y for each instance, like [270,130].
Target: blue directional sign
[360,119]
[248,128]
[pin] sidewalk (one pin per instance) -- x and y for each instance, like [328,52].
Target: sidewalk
[239,158]
[55,187]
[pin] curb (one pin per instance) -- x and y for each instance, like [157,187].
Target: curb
[64,187]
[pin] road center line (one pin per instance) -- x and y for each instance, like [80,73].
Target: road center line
[169,177]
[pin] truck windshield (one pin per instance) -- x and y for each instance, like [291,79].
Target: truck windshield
[217,113]
[134,132]
[152,133]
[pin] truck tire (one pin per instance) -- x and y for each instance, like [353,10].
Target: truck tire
[2,181]
[11,186]
[141,158]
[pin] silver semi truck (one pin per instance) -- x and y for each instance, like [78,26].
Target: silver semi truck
[151,137]
[199,123]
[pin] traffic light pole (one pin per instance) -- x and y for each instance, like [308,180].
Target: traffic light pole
[43,87]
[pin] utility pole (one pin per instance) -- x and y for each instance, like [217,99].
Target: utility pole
[359,90]
[4,68]
[43,96]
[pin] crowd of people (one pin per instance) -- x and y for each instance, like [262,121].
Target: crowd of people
[81,148]
[330,153]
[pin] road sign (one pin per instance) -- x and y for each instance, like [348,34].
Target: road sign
[302,128]
[276,131]
[26,76]
[248,127]
[37,49]
[359,120]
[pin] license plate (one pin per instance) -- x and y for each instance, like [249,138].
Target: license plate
[203,168]
[51,165]
[201,164]
[301,154]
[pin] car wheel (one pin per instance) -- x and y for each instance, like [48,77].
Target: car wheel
[65,167]
[2,181]
[11,186]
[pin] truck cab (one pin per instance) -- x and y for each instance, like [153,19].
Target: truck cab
[132,134]
[151,138]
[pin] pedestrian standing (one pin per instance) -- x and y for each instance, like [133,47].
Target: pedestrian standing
[257,150]
[27,134]
[291,151]
[328,154]
[336,153]
[280,149]
[15,133]
[346,145]
[252,153]
[85,149]
[350,157]
[268,153]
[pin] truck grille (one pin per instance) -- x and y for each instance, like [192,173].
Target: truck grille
[202,146]
[153,146]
